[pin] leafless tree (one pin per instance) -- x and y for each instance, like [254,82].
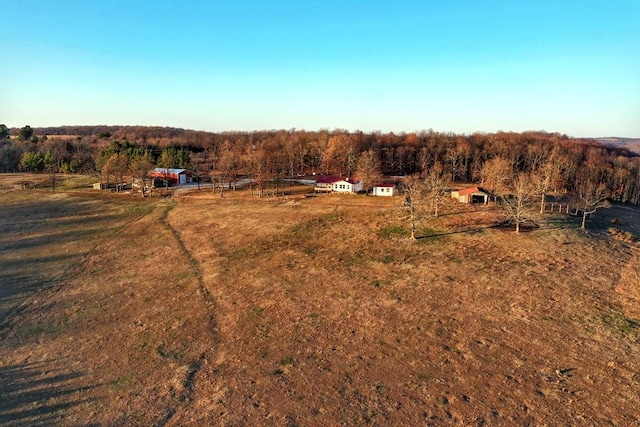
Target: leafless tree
[414,201]
[257,168]
[497,174]
[225,167]
[516,200]
[514,189]
[369,169]
[594,196]
[437,184]
[340,154]
[546,175]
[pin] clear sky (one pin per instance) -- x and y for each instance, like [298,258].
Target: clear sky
[569,66]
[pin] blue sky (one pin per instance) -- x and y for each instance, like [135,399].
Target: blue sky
[568,66]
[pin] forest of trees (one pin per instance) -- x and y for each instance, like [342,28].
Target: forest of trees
[531,164]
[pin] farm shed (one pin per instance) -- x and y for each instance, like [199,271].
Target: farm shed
[384,189]
[471,195]
[334,184]
[174,176]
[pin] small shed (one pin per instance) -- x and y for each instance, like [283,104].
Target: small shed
[471,195]
[384,189]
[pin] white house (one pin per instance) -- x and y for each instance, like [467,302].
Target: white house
[334,184]
[384,190]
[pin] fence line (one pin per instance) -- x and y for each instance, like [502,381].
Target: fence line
[562,208]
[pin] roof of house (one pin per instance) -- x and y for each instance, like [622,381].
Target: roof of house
[333,179]
[327,179]
[384,184]
[472,190]
[169,171]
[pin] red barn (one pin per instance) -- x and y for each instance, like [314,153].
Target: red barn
[172,176]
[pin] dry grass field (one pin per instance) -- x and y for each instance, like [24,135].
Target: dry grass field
[201,310]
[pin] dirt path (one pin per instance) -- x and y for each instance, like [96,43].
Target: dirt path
[125,334]
[184,400]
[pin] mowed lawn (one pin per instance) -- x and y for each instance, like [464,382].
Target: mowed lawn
[201,310]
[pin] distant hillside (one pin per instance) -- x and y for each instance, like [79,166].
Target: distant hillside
[631,144]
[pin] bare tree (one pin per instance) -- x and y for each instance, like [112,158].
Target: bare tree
[594,196]
[340,154]
[516,200]
[225,165]
[414,200]
[514,189]
[546,174]
[496,174]
[257,169]
[437,183]
[369,169]
[455,163]
[107,171]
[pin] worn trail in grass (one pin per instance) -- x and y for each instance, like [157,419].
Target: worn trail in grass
[328,314]
[120,335]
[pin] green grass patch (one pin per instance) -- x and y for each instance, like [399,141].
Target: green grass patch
[41,329]
[122,383]
[393,231]
[168,354]
[255,312]
[242,253]
[423,376]
[140,209]
[429,236]
[313,226]
[287,361]
[357,258]
[377,283]
[618,322]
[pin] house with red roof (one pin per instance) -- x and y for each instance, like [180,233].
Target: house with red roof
[335,184]
[471,195]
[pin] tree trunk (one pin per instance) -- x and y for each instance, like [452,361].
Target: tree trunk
[542,203]
[413,228]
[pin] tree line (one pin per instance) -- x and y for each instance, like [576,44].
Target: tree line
[551,162]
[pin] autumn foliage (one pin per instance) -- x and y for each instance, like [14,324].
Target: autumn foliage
[551,162]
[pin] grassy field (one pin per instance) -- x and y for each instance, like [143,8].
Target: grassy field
[201,310]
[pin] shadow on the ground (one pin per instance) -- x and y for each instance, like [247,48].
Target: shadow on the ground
[38,394]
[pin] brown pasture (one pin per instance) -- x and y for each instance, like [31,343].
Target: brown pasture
[202,310]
